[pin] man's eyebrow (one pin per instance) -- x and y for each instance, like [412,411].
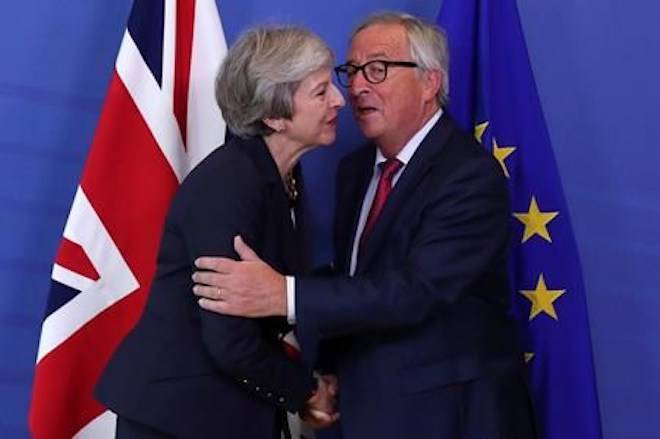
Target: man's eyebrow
[371,57]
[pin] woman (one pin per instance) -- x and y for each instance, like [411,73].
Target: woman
[186,372]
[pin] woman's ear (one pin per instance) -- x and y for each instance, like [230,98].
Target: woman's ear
[276,125]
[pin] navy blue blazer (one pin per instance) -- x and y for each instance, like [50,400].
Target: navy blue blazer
[192,373]
[420,337]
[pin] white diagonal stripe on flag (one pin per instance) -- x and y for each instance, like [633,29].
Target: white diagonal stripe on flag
[154,105]
[102,427]
[116,280]
[70,278]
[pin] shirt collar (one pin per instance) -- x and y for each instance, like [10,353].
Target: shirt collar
[409,149]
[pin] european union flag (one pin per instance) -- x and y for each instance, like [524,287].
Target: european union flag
[493,92]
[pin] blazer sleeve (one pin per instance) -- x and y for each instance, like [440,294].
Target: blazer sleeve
[211,211]
[462,234]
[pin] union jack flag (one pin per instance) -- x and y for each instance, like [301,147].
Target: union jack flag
[158,121]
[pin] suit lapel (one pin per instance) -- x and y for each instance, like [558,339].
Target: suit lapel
[354,183]
[415,170]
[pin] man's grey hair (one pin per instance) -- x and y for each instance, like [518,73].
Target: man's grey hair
[428,44]
[261,73]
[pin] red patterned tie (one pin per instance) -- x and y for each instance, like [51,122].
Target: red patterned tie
[387,171]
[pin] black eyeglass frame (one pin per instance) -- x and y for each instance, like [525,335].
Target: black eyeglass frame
[344,69]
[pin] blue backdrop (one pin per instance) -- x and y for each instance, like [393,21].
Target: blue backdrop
[596,64]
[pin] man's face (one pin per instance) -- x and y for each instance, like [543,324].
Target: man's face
[390,112]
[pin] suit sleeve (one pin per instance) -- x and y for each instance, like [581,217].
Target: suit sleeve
[218,208]
[461,235]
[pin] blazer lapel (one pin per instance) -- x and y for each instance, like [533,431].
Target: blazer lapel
[417,167]
[286,249]
[294,242]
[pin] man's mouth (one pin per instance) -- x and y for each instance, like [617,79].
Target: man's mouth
[365,110]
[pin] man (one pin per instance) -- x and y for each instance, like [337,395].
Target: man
[416,321]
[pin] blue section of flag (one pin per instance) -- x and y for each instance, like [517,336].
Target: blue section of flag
[145,25]
[491,81]
[60,294]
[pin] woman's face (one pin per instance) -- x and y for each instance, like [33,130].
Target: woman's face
[315,105]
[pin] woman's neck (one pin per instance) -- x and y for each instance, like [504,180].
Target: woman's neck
[284,152]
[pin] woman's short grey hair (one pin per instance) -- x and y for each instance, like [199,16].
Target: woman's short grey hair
[428,44]
[261,73]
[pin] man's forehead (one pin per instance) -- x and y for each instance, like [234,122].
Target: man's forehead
[379,41]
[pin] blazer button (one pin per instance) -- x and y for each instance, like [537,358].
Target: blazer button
[269,394]
[257,388]
[281,399]
[245,381]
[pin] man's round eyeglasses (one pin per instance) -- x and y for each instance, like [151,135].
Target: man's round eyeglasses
[374,71]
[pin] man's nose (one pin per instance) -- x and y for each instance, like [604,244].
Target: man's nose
[359,84]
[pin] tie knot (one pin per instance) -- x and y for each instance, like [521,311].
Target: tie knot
[390,167]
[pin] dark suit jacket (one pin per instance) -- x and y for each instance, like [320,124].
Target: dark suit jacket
[420,336]
[192,373]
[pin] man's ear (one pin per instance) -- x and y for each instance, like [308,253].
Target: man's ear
[276,125]
[432,80]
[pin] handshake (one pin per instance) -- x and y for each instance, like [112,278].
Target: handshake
[319,410]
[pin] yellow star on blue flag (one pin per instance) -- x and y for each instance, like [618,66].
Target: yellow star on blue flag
[542,299]
[501,153]
[535,221]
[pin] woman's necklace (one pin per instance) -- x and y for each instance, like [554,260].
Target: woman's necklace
[290,187]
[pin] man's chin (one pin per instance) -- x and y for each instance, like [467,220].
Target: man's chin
[369,130]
